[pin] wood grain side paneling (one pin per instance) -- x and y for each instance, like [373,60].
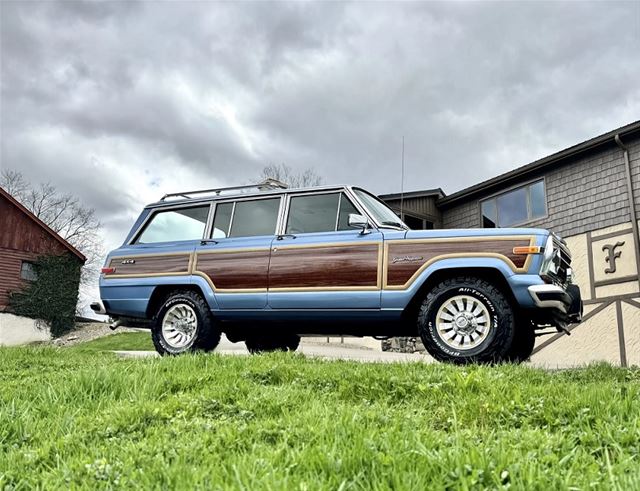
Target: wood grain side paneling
[150,264]
[235,270]
[404,259]
[354,266]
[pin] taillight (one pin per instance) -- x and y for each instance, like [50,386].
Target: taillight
[108,270]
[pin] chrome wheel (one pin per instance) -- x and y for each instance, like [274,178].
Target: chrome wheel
[179,326]
[463,322]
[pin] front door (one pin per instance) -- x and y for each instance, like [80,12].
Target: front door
[321,263]
[235,260]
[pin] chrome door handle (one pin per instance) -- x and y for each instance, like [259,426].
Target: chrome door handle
[208,241]
[286,236]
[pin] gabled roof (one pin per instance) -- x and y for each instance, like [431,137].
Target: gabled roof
[42,225]
[561,157]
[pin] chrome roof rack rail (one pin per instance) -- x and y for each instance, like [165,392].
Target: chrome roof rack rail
[266,185]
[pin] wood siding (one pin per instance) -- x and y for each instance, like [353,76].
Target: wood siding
[10,266]
[423,207]
[21,239]
[325,267]
[18,232]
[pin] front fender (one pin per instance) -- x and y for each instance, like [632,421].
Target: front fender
[399,299]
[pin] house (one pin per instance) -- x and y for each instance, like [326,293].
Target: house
[23,238]
[590,195]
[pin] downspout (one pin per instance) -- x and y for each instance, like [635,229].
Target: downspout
[632,202]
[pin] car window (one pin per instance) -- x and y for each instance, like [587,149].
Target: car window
[346,208]
[319,213]
[175,225]
[380,211]
[222,220]
[257,217]
[313,213]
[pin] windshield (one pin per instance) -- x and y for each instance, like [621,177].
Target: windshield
[378,210]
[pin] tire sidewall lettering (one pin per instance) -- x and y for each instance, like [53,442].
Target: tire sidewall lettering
[443,297]
[163,311]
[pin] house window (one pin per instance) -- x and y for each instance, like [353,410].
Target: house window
[416,223]
[515,207]
[27,271]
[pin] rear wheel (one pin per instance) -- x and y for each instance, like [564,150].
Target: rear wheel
[265,344]
[466,320]
[184,324]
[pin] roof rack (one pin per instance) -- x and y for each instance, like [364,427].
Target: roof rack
[266,185]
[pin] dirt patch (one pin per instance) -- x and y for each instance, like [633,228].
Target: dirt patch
[89,331]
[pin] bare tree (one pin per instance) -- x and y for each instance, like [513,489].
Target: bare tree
[64,214]
[294,179]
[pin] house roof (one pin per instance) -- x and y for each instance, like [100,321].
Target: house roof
[561,157]
[437,192]
[41,224]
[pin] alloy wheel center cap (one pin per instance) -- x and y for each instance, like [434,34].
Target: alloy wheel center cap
[462,322]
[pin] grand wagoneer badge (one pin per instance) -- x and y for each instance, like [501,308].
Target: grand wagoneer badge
[406,259]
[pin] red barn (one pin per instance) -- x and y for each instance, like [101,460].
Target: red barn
[24,237]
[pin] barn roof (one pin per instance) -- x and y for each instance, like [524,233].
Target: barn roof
[41,224]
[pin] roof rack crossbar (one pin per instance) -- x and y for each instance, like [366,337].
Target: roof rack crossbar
[267,184]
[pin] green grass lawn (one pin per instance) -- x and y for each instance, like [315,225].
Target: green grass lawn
[85,419]
[132,341]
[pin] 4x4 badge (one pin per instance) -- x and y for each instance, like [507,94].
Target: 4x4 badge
[128,261]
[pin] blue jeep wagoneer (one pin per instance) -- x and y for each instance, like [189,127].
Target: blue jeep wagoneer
[265,264]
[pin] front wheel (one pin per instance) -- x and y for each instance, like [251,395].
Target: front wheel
[466,320]
[524,340]
[184,324]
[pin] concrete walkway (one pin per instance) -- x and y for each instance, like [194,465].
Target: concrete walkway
[317,350]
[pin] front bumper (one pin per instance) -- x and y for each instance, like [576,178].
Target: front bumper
[557,306]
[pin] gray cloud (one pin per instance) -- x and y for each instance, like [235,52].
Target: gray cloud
[120,102]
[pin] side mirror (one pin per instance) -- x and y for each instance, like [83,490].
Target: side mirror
[359,221]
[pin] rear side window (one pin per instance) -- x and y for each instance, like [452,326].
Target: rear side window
[222,220]
[246,218]
[319,213]
[175,225]
[251,218]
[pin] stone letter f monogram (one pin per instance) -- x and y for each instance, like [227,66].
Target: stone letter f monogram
[612,255]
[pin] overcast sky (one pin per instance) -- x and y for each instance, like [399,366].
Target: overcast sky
[121,102]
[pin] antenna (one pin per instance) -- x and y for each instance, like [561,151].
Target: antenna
[402,183]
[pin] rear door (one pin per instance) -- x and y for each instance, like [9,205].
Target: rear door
[234,260]
[319,262]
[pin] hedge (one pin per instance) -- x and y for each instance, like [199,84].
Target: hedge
[53,295]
